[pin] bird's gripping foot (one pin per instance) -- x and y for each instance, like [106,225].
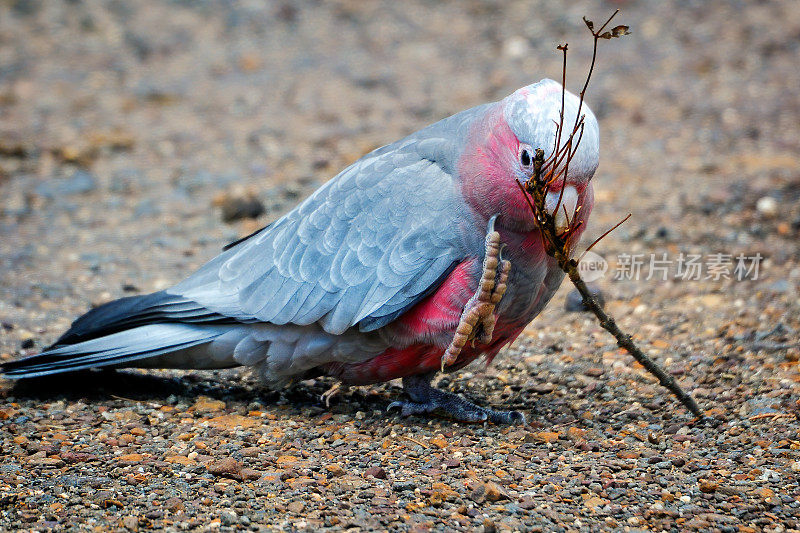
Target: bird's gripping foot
[425,398]
[478,319]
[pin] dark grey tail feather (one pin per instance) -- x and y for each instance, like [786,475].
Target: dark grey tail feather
[119,349]
[134,311]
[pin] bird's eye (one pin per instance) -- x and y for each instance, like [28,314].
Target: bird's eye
[525,157]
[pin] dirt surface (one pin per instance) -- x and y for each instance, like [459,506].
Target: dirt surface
[125,127]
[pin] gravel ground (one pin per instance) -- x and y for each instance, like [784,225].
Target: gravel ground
[126,129]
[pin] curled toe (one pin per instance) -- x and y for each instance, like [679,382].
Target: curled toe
[394,405]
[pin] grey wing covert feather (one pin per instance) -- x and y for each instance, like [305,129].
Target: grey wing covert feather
[360,251]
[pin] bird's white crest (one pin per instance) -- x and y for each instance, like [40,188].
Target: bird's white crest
[532,113]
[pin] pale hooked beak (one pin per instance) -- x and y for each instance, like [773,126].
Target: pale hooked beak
[566,209]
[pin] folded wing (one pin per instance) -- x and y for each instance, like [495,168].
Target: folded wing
[359,252]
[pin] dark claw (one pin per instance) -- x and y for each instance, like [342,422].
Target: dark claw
[394,405]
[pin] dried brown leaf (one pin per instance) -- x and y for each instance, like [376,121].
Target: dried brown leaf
[619,31]
[616,31]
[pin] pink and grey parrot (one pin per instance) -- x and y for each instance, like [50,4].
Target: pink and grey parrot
[370,278]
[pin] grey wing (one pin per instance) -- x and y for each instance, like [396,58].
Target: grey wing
[360,251]
[350,259]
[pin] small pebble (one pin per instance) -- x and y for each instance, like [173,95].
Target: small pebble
[767,206]
[239,205]
[228,518]
[296,507]
[227,466]
[574,302]
[131,523]
[708,486]
[402,486]
[375,471]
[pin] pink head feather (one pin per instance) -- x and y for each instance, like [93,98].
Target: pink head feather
[490,164]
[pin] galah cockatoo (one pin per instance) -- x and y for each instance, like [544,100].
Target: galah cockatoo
[420,256]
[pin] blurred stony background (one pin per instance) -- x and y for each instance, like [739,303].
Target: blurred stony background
[136,138]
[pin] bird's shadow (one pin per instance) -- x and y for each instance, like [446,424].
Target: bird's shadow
[135,386]
[169,387]
[98,385]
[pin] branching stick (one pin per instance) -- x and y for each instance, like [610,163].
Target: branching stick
[547,170]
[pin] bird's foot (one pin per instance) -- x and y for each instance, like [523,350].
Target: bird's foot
[428,399]
[337,388]
[478,319]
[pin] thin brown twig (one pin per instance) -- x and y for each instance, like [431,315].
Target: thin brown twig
[131,400]
[580,138]
[604,235]
[415,441]
[578,117]
[545,172]
[559,250]
[568,153]
[560,125]
[554,162]
[596,36]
